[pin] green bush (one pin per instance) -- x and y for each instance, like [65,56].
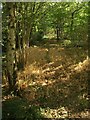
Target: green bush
[33,113]
[37,37]
[66,43]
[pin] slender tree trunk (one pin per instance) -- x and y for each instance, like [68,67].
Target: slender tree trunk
[71,27]
[57,32]
[72,22]
[11,67]
[89,49]
[30,35]
[89,29]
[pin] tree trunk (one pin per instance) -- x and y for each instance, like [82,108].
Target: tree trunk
[11,62]
[88,47]
[89,29]
[71,27]
[58,31]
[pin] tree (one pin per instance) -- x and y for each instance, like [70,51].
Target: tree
[89,29]
[10,54]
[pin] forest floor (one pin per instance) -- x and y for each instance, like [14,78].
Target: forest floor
[54,84]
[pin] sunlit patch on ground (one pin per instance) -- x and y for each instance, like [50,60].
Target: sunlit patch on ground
[54,113]
[56,81]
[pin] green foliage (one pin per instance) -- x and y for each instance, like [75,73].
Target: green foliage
[66,43]
[33,113]
[19,109]
[37,37]
[34,20]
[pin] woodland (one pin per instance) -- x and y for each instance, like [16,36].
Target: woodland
[45,60]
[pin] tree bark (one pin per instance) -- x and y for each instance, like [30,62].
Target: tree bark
[89,29]
[58,31]
[11,62]
[88,81]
